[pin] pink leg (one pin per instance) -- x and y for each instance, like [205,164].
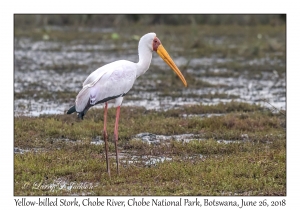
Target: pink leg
[116,137]
[105,139]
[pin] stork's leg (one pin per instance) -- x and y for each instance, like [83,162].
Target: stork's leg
[116,137]
[105,139]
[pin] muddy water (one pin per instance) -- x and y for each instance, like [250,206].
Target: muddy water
[48,74]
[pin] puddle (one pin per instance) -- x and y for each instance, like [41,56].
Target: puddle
[208,115]
[151,138]
[150,160]
[251,90]
[18,150]
[97,141]
[144,160]
[227,141]
[155,160]
[37,107]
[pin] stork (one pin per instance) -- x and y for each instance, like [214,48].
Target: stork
[114,80]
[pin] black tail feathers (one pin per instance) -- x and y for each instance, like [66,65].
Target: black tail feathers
[80,114]
[71,110]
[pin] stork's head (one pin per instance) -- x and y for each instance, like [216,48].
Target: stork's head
[154,44]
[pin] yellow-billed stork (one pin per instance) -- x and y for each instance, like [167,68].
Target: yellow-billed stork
[114,80]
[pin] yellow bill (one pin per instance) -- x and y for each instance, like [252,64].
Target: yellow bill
[161,51]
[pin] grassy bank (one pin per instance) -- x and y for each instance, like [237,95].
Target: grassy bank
[56,151]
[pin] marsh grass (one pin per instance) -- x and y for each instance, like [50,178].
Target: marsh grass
[60,151]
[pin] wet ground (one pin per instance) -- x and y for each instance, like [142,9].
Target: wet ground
[130,157]
[49,73]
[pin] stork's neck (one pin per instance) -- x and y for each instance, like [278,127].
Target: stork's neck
[145,57]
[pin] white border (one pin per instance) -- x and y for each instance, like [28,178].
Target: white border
[187,6]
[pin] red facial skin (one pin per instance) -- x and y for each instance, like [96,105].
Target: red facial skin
[155,44]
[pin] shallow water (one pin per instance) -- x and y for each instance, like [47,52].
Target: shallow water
[48,75]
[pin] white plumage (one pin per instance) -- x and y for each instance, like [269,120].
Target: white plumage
[115,79]
[110,81]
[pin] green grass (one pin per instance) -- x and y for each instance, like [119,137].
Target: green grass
[60,152]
